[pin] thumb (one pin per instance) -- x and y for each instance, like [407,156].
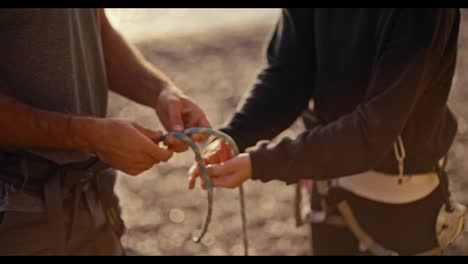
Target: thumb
[176,122]
[151,134]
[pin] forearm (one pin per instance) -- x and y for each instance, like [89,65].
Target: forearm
[127,69]
[275,102]
[23,126]
[282,91]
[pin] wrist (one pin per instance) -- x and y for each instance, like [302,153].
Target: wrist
[152,83]
[168,88]
[83,132]
[165,94]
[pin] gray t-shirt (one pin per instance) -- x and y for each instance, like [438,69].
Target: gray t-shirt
[52,59]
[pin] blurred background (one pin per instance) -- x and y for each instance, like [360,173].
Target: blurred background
[213,55]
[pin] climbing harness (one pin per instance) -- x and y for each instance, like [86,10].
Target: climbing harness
[185,137]
[449,224]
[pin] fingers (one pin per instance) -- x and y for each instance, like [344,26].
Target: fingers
[175,144]
[153,150]
[160,154]
[218,151]
[232,173]
[157,153]
[199,137]
[223,175]
[228,181]
[175,116]
[198,119]
[193,173]
[226,150]
[195,117]
[203,121]
[220,170]
[151,134]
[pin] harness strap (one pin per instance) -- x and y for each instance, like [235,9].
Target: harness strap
[330,219]
[432,252]
[370,244]
[443,179]
[297,205]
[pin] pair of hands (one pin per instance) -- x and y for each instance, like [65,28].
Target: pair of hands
[224,170]
[131,148]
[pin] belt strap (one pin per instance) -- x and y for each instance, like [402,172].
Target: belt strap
[80,180]
[76,179]
[110,205]
[359,232]
[55,218]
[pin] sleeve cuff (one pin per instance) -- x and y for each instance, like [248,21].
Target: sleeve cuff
[266,168]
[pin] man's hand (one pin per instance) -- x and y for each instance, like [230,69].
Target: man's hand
[215,153]
[177,113]
[124,145]
[131,75]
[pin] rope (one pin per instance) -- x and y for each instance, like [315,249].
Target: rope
[185,137]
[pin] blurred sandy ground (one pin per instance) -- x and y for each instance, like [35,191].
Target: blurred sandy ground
[214,55]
